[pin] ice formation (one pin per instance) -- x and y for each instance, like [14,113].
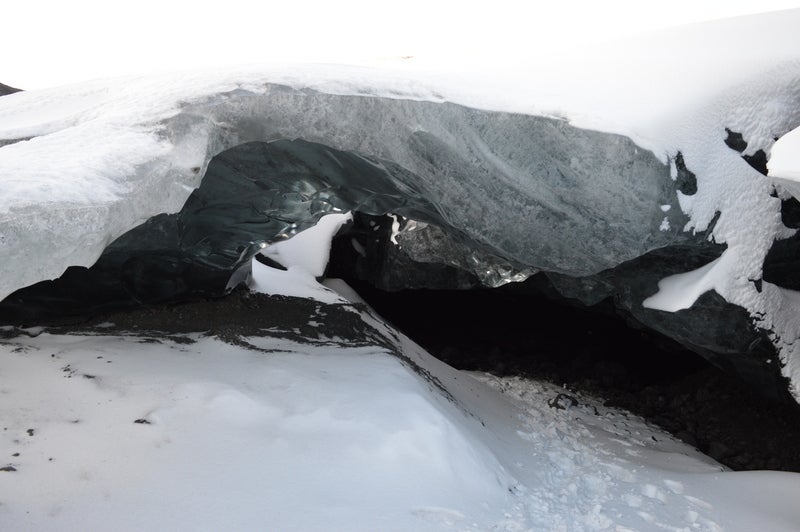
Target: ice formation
[564,168]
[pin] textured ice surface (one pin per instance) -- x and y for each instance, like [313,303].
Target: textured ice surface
[534,190]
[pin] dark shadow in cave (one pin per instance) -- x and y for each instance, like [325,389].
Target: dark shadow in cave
[513,331]
[508,333]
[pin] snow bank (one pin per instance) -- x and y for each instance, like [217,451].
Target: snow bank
[210,437]
[107,431]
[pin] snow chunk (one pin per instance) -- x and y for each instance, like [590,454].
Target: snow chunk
[294,282]
[678,292]
[784,162]
[395,229]
[311,248]
[305,256]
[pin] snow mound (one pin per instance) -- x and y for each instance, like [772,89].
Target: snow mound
[211,436]
[115,431]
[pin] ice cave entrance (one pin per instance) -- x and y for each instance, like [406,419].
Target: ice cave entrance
[431,283]
[403,257]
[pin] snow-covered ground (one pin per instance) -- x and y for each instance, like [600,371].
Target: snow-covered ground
[108,432]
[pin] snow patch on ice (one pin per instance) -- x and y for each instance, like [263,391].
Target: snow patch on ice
[784,160]
[305,256]
[344,290]
[740,201]
[680,291]
[309,249]
[295,282]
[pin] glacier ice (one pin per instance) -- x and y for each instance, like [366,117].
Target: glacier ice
[593,186]
[462,162]
[479,157]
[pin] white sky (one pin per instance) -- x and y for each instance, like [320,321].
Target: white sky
[48,43]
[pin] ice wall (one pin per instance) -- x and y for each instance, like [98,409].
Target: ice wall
[534,190]
[82,165]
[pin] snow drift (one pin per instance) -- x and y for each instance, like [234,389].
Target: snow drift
[146,431]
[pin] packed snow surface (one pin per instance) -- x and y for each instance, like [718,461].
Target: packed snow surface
[113,431]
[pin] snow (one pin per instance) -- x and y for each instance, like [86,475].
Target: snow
[344,290]
[311,248]
[305,256]
[233,440]
[112,431]
[680,291]
[784,161]
[395,229]
[295,281]
[106,431]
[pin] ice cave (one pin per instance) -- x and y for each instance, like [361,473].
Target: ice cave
[221,294]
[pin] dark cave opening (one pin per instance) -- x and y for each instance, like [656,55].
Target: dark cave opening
[508,332]
[517,331]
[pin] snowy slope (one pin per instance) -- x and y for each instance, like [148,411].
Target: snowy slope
[105,155]
[107,431]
